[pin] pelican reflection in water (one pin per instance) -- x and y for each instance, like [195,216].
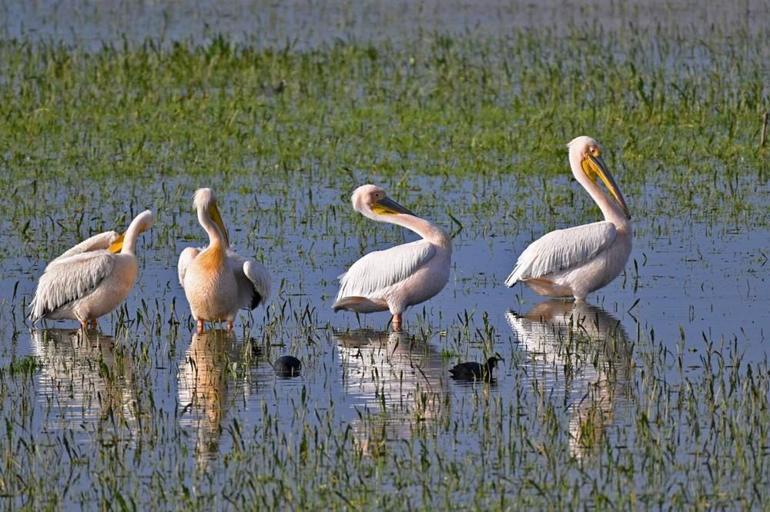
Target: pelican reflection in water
[590,349]
[204,389]
[87,378]
[395,382]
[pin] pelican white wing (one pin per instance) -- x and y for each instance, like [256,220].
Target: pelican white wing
[562,249]
[379,270]
[187,256]
[94,243]
[66,280]
[257,277]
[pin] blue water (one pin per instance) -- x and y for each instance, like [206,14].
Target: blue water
[687,285]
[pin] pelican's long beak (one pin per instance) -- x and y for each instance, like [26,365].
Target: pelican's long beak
[116,246]
[599,168]
[387,206]
[217,218]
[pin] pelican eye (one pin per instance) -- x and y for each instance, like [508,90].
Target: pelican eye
[595,151]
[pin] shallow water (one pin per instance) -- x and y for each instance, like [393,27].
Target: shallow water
[146,382]
[303,24]
[646,395]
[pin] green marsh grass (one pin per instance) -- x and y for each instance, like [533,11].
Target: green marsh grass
[466,126]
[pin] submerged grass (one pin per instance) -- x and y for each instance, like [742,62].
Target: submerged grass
[584,421]
[693,440]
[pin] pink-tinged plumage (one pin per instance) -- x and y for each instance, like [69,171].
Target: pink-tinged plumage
[217,281]
[89,281]
[402,276]
[577,261]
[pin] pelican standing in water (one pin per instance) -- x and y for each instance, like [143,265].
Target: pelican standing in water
[91,279]
[399,277]
[576,261]
[218,282]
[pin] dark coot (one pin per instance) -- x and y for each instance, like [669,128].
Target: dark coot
[287,366]
[476,371]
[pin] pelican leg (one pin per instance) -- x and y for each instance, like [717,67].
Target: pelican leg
[201,326]
[229,326]
[84,325]
[94,325]
[396,322]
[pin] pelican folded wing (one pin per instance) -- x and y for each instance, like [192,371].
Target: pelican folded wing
[561,250]
[94,243]
[66,280]
[373,274]
[259,279]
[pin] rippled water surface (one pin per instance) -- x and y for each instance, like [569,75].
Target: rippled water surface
[310,23]
[145,374]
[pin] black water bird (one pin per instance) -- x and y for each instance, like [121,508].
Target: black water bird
[287,366]
[476,371]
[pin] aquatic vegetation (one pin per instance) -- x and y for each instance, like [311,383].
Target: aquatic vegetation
[657,396]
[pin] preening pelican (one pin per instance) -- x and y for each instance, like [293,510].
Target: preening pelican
[401,276]
[576,261]
[91,279]
[218,282]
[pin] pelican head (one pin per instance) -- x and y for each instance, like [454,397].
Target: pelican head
[125,243]
[588,153]
[205,202]
[143,222]
[373,202]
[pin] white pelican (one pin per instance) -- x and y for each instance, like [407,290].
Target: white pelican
[576,261]
[216,281]
[399,277]
[91,279]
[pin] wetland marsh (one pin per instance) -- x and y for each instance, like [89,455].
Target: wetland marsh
[654,395]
